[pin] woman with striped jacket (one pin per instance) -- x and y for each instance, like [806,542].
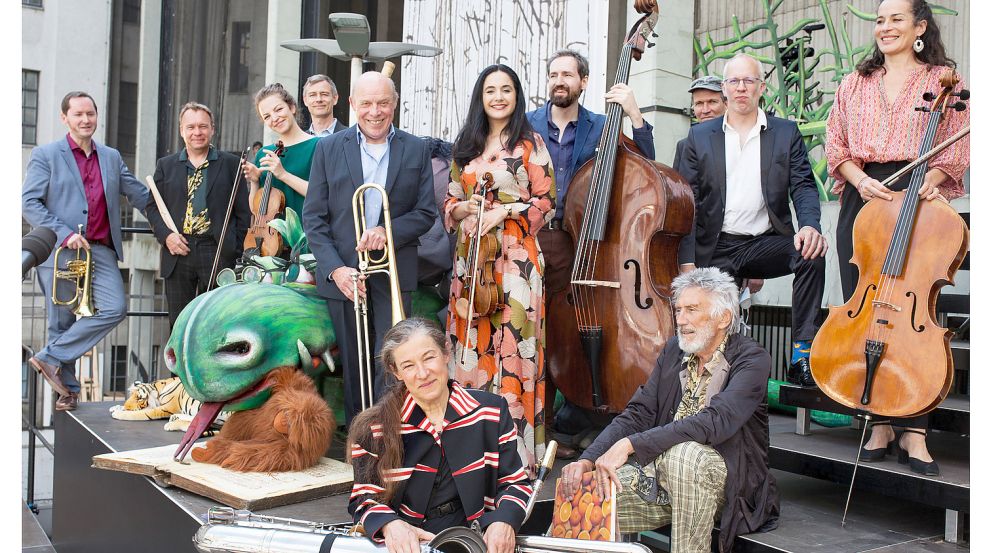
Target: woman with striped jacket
[432,454]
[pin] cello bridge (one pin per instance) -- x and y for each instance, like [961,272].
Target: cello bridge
[882,303]
[595,283]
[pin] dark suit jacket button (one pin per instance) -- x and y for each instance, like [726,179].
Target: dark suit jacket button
[85,212]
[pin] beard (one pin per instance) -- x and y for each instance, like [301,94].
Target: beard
[697,341]
[564,101]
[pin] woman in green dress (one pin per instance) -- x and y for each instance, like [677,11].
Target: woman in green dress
[278,111]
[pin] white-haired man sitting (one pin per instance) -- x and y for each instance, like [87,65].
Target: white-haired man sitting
[698,428]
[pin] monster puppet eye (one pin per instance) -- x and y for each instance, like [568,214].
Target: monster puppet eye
[241,347]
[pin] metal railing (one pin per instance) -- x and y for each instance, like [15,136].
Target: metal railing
[131,351]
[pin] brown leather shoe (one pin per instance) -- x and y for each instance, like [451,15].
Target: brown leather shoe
[565,452]
[50,373]
[68,402]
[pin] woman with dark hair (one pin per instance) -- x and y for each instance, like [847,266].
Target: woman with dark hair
[431,454]
[872,131]
[278,111]
[498,151]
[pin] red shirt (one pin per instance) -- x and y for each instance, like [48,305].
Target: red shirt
[97,220]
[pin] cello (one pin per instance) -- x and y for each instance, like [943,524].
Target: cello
[883,352]
[627,215]
[265,207]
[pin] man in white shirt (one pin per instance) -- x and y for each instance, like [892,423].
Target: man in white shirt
[320,97]
[744,167]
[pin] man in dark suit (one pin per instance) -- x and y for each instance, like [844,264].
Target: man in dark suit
[708,103]
[195,185]
[743,167]
[69,183]
[371,151]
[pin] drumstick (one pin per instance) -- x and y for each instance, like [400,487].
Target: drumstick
[164,214]
[388,68]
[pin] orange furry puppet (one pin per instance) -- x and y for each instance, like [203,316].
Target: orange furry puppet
[290,432]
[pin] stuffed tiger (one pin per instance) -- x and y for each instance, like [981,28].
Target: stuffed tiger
[161,399]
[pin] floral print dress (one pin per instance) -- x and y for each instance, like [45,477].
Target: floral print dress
[505,352]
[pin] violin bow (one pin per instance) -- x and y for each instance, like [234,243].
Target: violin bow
[926,156]
[225,224]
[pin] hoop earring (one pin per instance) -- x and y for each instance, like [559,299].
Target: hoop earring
[918,46]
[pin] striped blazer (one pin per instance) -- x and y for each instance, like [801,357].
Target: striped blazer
[479,441]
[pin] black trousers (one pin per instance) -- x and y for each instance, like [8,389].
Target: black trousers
[774,255]
[191,272]
[850,205]
[380,321]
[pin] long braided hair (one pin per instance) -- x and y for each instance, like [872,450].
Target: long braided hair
[386,413]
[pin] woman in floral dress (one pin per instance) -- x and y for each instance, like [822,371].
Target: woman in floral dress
[502,352]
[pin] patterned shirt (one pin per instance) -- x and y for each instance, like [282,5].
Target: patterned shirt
[196,220]
[863,127]
[695,395]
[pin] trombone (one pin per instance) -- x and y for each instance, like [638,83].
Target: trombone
[368,265]
[78,270]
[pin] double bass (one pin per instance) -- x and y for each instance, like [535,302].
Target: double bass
[883,352]
[627,215]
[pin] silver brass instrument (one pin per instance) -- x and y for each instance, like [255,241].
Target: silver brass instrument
[79,271]
[369,265]
[227,530]
[230,531]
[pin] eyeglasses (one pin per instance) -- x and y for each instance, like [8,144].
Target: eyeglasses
[748,82]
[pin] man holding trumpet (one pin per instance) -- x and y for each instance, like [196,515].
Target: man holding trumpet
[70,183]
[372,151]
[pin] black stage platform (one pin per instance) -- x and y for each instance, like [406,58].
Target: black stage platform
[99,511]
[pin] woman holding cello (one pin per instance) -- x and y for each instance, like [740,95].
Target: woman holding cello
[502,177]
[278,111]
[872,131]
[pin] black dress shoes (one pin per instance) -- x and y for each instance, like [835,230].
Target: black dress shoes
[917,465]
[800,374]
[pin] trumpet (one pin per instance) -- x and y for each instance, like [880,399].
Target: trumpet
[368,265]
[78,270]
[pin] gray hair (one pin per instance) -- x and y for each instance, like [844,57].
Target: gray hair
[402,331]
[583,69]
[757,63]
[318,78]
[722,290]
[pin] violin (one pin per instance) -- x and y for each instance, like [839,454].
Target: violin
[265,207]
[481,296]
[883,352]
[627,215]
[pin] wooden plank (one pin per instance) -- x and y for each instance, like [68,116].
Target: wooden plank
[240,490]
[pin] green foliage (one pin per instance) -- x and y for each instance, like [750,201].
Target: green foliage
[795,88]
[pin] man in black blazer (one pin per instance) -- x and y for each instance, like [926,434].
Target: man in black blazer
[195,185]
[371,151]
[743,167]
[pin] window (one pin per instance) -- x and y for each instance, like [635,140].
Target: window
[238,65]
[32,3]
[29,106]
[131,11]
[117,369]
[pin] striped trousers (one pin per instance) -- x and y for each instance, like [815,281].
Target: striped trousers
[694,475]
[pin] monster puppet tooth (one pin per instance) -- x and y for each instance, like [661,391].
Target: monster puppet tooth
[306,363]
[328,360]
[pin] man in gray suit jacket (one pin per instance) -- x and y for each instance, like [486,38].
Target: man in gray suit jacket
[371,151]
[69,183]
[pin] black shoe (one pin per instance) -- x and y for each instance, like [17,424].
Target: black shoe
[917,465]
[800,374]
[875,455]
